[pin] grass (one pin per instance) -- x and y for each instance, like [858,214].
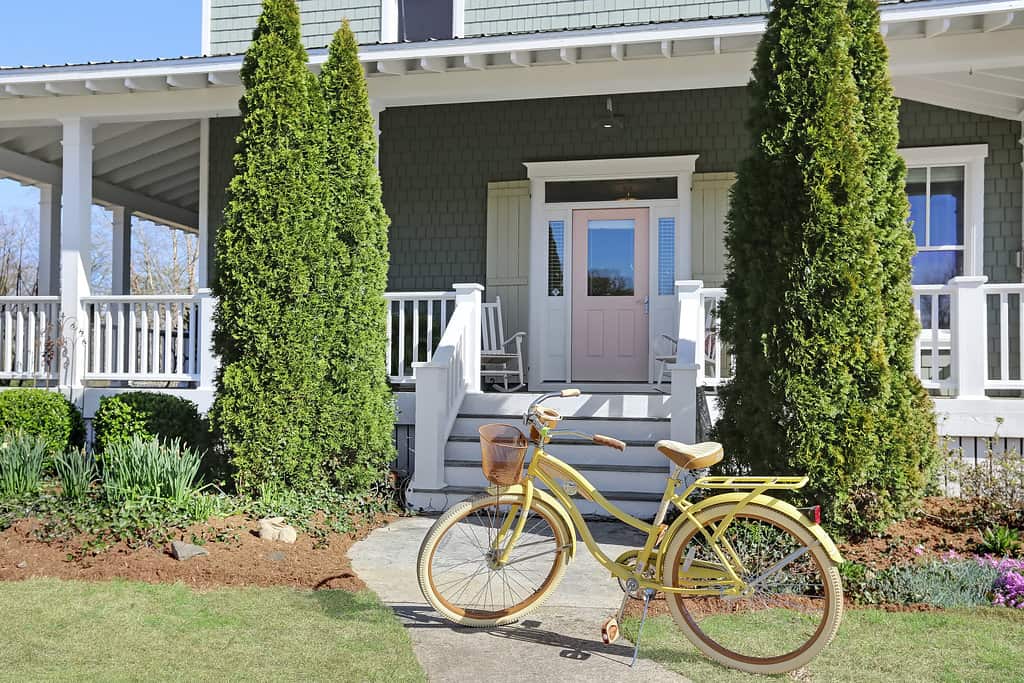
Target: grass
[872,645]
[121,631]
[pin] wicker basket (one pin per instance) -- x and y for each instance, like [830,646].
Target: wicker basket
[503,448]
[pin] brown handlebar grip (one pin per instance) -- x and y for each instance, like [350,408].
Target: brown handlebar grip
[569,393]
[610,442]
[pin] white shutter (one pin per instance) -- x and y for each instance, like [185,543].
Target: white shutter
[710,202]
[508,252]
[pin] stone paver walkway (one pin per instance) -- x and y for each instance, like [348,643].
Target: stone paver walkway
[559,641]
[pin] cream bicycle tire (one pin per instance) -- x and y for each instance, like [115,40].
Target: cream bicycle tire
[481,618]
[831,587]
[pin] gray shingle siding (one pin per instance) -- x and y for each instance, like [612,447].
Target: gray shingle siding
[232,22]
[436,162]
[511,16]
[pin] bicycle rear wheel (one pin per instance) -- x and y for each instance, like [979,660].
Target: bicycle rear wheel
[793,604]
[457,570]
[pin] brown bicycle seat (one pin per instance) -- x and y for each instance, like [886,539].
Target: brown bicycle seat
[691,456]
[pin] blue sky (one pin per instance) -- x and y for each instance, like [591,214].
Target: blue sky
[71,31]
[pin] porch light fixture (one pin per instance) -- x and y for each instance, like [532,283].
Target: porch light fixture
[611,121]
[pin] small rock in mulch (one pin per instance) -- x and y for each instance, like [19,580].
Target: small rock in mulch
[182,551]
[274,529]
[277,556]
[22,565]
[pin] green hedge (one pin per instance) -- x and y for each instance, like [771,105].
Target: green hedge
[148,415]
[45,414]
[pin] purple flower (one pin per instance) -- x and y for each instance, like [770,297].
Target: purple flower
[1009,590]
[918,550]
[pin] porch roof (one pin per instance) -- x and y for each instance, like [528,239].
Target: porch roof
[957,54]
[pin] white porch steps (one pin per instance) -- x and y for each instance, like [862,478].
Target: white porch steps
[634,480]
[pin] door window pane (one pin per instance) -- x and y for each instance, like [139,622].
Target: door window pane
[556,257]
[666,255]
[610,257]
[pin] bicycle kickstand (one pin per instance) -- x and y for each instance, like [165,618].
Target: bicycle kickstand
[648,594]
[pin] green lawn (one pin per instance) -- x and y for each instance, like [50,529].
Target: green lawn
[955,645]
[119,631]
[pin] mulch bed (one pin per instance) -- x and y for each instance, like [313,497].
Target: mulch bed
[242,559]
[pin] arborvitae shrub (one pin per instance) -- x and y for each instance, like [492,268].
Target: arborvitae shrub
[818,276]
[361,228]
[277,410]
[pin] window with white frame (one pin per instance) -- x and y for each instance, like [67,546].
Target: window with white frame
[936,195]
[945,187]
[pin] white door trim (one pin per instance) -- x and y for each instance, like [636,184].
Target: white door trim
[550,316]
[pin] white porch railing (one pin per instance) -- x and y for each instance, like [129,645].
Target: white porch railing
[161,338]
[29,328]
[443,381]
[971,340]
[416,321]
[933,357]
[717,363]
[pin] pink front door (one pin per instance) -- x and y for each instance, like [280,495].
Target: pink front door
[609,295]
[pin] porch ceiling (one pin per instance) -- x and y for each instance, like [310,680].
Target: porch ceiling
[152,167]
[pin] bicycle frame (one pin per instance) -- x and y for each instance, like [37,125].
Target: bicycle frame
[704,578]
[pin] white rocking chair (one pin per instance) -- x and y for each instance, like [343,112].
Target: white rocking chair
[500,358]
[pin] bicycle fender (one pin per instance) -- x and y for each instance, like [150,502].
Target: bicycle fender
[782,506]
[552,502]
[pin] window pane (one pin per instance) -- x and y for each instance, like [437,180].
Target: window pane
[424,19]
[610,256]
[556,257]
[936,267]
[947,220]
[666,255]
[916,193]
[610,190]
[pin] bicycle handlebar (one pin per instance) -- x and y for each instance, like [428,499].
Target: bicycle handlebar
[609,441]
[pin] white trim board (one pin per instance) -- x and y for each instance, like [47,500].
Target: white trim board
[550,352]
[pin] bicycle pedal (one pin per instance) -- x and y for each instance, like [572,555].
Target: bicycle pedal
[610,631]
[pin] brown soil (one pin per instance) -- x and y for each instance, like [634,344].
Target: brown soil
[241,559]
[941,525]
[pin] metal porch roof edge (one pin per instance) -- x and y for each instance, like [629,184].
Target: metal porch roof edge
[736,25]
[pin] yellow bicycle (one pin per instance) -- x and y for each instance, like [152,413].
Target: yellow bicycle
[751,580]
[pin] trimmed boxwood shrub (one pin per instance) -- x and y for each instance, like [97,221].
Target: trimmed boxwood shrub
[45,414]
[147,415]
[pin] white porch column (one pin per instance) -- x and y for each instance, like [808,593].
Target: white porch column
[969,332]
[208,362]
[121,253]
[691,322]
[76,224]
[204,204]
[683,403]
[48,276]
[471,294]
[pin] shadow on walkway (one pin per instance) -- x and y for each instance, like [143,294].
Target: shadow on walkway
[527,631]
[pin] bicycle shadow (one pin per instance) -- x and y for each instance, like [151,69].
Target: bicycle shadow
[526,631]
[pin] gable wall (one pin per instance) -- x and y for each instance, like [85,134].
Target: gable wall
[510,16]
[232,22]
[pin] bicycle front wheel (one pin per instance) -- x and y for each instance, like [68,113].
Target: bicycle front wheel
[793,598]
[457,567]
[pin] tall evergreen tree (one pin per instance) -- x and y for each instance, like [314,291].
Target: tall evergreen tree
[908,452]
[275,409]
[804,310]
[361,227]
